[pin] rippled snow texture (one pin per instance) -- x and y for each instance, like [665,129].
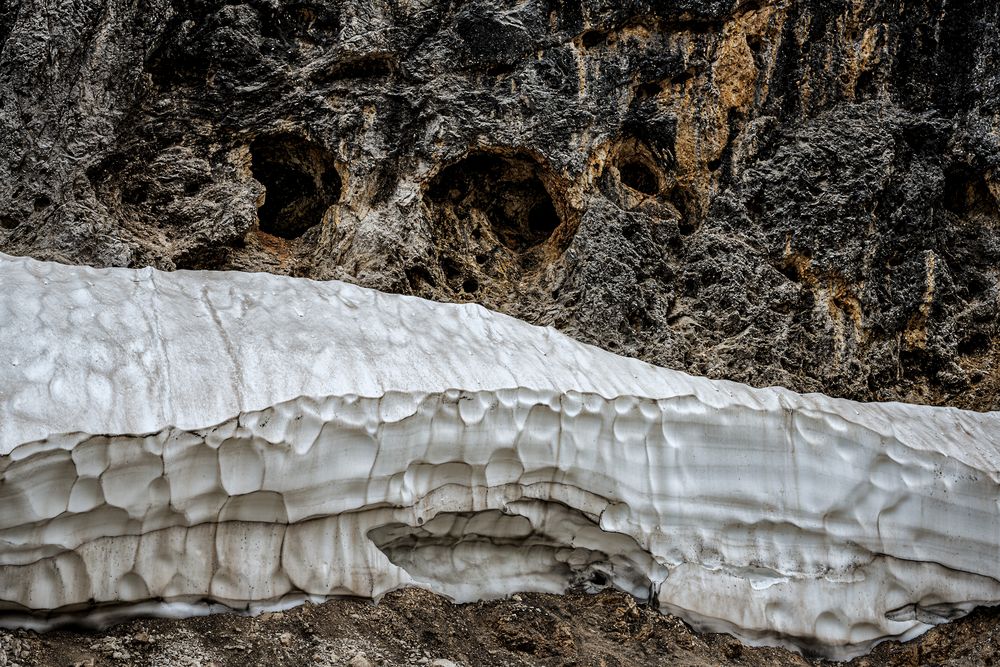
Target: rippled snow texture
[250,439]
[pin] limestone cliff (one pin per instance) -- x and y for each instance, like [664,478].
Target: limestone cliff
[789,192]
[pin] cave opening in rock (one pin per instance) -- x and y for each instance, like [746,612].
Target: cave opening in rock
[506,191]
[638,176]
[300,181]
[593,38]
[966,194]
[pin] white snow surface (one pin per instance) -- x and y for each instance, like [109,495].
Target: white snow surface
[249,439]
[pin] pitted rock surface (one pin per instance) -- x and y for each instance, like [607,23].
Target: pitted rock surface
[784,192]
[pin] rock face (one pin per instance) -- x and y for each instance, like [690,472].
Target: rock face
[246,439]
[791,192]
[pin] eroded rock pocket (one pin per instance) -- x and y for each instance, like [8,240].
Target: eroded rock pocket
[503,195]
[649,179]
[639,176]
[496,217]
[300,180]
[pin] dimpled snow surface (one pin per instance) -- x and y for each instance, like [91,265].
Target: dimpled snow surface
[252,440]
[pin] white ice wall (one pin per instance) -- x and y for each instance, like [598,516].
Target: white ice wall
[249,438]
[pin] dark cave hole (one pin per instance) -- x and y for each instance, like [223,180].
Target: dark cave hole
[682,77]
[317,22]
[451,270]
[791,271]
[865,85]
[135,194]
[8,222]
[41,202]
[501,69]
[593,38]
[756,45]
[507,190]
[377,66]
[418,277]
[300,181]
[648,90]
[974,344]
[690,217]
[543,219]
[639,177]
[470,286]
[966,193]
[599,579]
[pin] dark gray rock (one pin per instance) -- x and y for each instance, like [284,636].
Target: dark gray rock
[790,192]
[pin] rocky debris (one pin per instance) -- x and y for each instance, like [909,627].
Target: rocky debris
[16,649]
[359,660]
[414,628]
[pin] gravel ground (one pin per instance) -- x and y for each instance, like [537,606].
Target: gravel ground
[414,627]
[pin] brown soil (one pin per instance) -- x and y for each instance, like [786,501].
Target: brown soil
[414,627]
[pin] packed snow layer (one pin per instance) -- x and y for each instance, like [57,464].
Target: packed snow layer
[251,439]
